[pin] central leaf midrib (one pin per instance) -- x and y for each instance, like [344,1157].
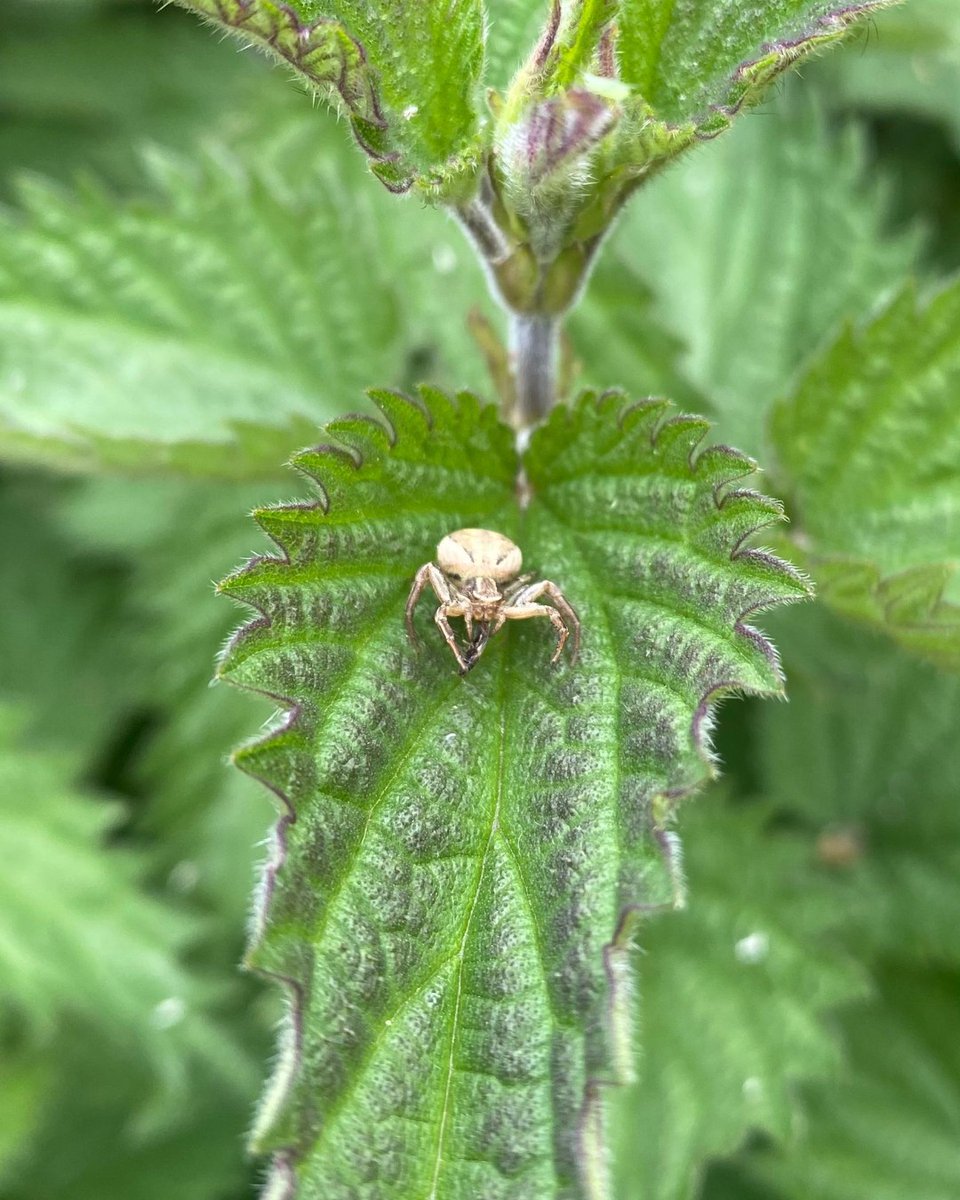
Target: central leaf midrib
[514,861]
[615,765]
[465,935]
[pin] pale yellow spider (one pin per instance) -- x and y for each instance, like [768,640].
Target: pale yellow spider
[477,577]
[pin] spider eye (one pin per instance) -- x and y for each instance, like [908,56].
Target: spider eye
[454,575]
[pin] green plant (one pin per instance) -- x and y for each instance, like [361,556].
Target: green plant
[464,867]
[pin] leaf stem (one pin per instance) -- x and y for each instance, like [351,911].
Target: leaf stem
[535,348]
[477,219]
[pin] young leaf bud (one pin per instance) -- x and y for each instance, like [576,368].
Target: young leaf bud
[545,158]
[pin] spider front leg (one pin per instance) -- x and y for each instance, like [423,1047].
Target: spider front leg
[442,619]
[521,612]
[563,617]
[449,607]
[428,574]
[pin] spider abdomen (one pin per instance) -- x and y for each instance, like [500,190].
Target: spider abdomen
[479,554]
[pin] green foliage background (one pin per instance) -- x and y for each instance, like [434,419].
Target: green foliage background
[800,1020]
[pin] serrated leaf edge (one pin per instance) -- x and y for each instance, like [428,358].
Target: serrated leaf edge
[277,28]
[885,594]
[748,82]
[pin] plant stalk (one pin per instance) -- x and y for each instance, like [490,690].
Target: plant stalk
[535,349]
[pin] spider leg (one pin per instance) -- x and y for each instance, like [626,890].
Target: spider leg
[570,620]
[442,619]
[519,585]
[428,574]
[521,612]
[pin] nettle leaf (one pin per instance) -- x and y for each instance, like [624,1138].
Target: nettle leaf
[93,947]
[731,997]
[25,1079]
[695,64]
[204,333]
[891,1129]
[460,860]
[78,86]
[68,665]
[202,821]
[410,76]
[95,1087]
[755,252]
[671,73]
[616,332]
[869,445]
[873,781]
[407,74]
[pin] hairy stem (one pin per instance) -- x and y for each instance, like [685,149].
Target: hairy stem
[534,344]
[479,224]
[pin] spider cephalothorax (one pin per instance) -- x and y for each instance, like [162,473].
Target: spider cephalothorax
[477,577]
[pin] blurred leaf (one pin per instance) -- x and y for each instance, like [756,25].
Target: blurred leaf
[91,1146]
[891,1128]
[904,77]
[869,447]
[203,821]
[209,821]
[616,336]
[513,29]
[438,277]
[755,249]
[911,64]
[732,994]
[66,636]
[83,85]
[88,944]
[24,1083]
[867,755]
[178,323]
